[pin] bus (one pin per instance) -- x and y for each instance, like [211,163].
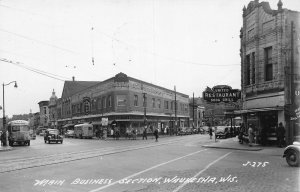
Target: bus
[18,132]
[84,130]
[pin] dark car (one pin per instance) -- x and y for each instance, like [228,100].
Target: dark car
[52,135]
[222,132]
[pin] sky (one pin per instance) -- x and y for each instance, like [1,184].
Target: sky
[190,44]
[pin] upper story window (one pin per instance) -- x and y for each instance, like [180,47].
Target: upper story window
[109,101]
[166,104]
[268,64]
[253,67]
[153,102]
[99,104]
[247,70]
[136,100]
[104,102]
[121,100]
[159,103]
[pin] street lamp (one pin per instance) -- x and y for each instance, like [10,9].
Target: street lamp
[4,118]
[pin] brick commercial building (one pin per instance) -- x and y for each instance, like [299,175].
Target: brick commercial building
[127,101]
[270,68]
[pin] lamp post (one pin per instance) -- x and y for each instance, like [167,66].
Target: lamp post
[4,118]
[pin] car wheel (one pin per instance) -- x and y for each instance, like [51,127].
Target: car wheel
[61,142]
[45,141]
[28,143]
[292,158]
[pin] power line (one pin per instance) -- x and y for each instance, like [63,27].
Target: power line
[38,41]
[117,40]
[18,64]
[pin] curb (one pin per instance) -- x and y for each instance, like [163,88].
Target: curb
[234,148]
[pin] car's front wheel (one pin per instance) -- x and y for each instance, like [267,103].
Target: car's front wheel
[292,158]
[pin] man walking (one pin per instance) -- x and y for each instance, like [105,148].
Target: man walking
[145,133]
[280,135]
[156,135]
[250,135]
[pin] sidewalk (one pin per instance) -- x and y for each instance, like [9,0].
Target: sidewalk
[232,143]
[5,148]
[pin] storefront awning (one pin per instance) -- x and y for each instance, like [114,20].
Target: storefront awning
[68,125]
[96,123]
[258,110]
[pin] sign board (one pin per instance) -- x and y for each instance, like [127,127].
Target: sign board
[221,93]
[104,121]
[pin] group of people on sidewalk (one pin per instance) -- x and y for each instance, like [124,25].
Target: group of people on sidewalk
[132,133]
[252,136]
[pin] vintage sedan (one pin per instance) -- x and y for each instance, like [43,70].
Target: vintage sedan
[291,154]
[222,132]
[52,135]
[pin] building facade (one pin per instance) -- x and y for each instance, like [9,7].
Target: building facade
[130,102]
[270,66]
[44,114]
[52,110]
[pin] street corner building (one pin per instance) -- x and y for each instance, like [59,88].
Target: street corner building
[126,102]
[270,69]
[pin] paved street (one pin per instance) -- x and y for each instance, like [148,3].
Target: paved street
[172,164]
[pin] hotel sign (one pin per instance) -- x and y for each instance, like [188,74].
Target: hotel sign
[221,93]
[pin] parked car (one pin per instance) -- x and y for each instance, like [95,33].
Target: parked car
[52,135]
[182,131]
[42,132]
[189,130]
[291,154]
[206,129]
[222,132]
[70,133]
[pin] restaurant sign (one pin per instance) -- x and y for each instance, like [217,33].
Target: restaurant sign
[221,93]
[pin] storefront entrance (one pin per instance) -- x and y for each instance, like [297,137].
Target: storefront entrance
[268,124]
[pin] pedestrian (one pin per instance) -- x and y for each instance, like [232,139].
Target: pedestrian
[215,133]
[241,132]
[1,139]
[210,131]
[156,135]
[104,133]
[145,133]
[250,135]
[280,132]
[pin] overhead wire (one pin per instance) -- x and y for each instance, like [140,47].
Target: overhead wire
[19,64]
[119,41]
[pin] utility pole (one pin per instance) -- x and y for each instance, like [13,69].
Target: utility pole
[193,110]
[175,110]
[292,91]
[145,105]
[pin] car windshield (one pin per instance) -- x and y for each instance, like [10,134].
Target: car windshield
[53,131]
[221,128]
[20,128]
